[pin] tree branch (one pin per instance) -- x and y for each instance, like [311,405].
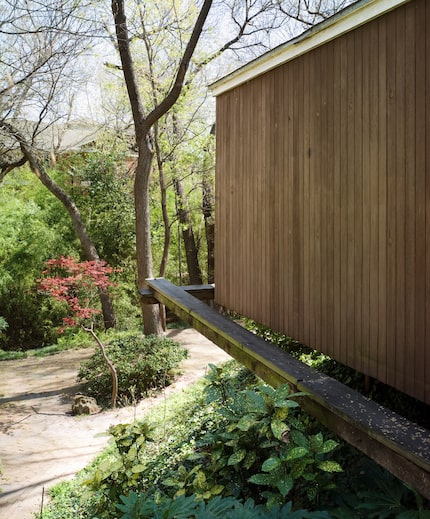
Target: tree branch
[175,91]
[7,168]
[118,11]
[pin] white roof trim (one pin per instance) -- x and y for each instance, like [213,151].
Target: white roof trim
[345,21]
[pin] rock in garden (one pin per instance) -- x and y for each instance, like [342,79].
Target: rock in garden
[85,405]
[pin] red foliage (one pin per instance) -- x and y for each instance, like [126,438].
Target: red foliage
[76,283]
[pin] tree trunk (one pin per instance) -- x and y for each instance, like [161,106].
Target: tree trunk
[151,313]
[164,212]
[109,319]
[207,208]
[191,251]
[143,124]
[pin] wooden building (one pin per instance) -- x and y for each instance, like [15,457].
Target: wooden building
[323,190]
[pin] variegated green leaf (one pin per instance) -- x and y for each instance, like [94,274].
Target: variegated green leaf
[270,464]
[330,466]
[261,479]
[278,428]
[296,453]
[285,485]
[236,457]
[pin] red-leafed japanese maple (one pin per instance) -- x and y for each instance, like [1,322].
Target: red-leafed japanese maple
[77,284]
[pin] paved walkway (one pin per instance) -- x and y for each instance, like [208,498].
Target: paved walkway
[41,443]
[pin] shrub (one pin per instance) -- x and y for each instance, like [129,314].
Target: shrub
[142,363]
[32,321]
[264,450]
[245,440]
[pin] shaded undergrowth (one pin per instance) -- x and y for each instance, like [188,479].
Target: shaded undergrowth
[232,445]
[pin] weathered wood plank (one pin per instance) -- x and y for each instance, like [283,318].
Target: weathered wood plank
[382,168]
[202,292]
[391,440]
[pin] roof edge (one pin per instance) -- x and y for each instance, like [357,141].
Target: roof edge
[340,23]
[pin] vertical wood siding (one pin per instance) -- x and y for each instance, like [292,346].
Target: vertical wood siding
[323,199]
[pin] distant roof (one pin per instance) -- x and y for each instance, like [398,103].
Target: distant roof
[56,137]
[73,136]
[340,23]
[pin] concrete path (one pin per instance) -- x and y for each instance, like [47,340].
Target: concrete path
[41,443]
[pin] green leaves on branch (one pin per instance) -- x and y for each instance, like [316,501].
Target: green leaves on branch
[264,443]
[122,471]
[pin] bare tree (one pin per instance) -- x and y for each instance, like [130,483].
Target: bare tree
[310,12]
[40,43]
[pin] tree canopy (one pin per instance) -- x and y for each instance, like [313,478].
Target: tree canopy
[153,62]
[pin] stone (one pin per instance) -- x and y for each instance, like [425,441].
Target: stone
[84,405]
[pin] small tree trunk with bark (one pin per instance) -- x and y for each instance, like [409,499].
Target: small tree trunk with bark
[191,251]
[152,323]
[207,208]
[164,212]
[109,364]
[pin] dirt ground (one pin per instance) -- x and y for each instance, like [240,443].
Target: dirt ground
[41,443]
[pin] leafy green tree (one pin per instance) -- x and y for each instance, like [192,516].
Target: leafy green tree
[41,46]
[103,190]
[33,226]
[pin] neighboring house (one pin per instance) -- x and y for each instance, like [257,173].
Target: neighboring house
[323,190]
[58,140]
[55,137]
[72,137]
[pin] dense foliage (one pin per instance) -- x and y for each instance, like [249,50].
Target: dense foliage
[33,228]
[239,448]
[101,185]
[143,363]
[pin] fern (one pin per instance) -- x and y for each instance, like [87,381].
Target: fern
[188,507]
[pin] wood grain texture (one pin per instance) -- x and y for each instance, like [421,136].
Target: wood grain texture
[323,199]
